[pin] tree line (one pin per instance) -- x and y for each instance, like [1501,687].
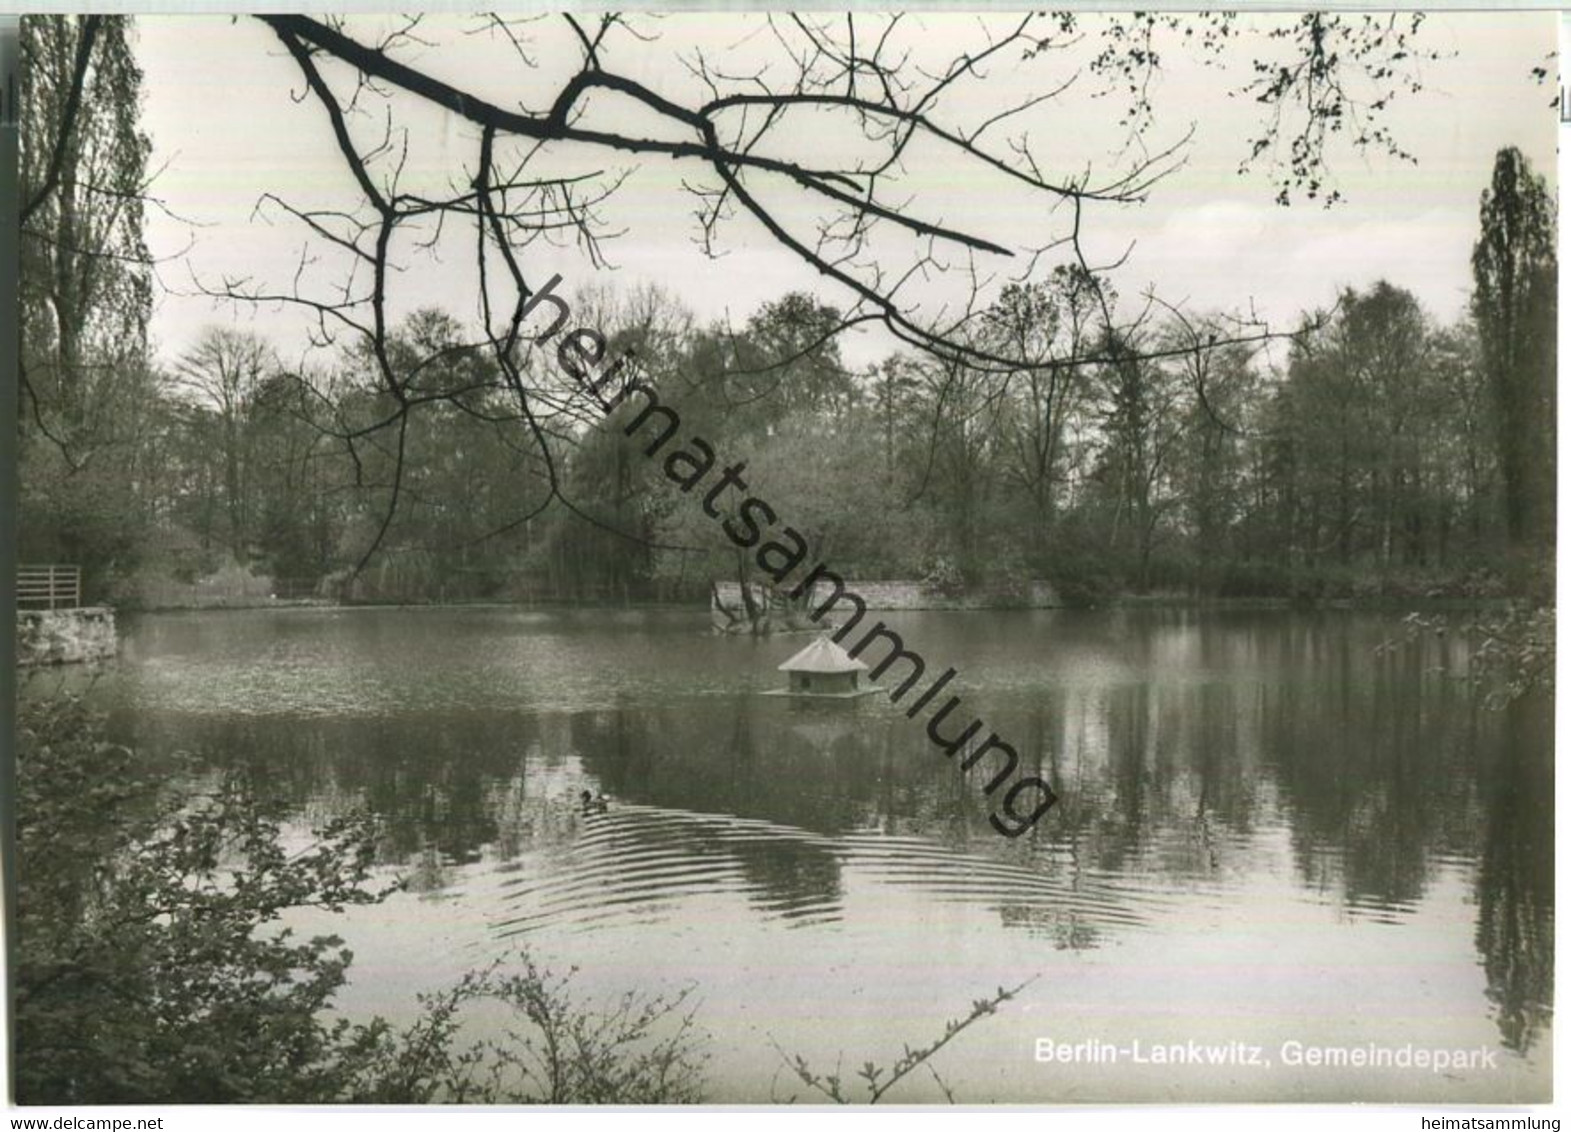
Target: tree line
[1373,452]
[1108,444]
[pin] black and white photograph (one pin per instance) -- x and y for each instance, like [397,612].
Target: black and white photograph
[758,556]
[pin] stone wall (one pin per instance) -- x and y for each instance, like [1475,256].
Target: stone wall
[65,636]
[916,595]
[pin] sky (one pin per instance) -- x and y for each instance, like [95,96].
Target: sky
[228,125]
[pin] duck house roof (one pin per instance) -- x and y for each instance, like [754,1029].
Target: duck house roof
[823,655]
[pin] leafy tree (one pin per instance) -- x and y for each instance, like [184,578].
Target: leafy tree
[1140,416]
[1464,401]
[1370,438]
[86,383]
[1046,323]
[1210,466]
[222,376]
[441,456]
[1382,343]
[791,351]
[86,287]
[297,513]
[1514,303]
[956,462]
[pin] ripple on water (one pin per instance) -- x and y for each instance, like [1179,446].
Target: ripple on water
[637,863]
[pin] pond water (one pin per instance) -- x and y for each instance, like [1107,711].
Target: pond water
[1269,831]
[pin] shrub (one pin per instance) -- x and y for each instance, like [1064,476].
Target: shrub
[151,967]
[145,969]
[640,1049]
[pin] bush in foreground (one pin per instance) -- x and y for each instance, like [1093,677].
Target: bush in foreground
[151,966]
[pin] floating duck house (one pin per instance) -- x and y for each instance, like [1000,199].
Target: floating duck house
[823,668]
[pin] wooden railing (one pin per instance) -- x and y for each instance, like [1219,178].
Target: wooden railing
[48,587]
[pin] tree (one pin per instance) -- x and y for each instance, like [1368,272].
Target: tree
[87,389]
[1209,467]
[1466,401]
[222,375]
[1140,417]
[1514,303]
[957,470]
[1045,323]
[296,512]
[1372,443]
[793,352]
[451,447]
[86,287]
[744,130]
[1382,344]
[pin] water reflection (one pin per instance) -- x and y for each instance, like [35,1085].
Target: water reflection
[1516,879]
[1201,761]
